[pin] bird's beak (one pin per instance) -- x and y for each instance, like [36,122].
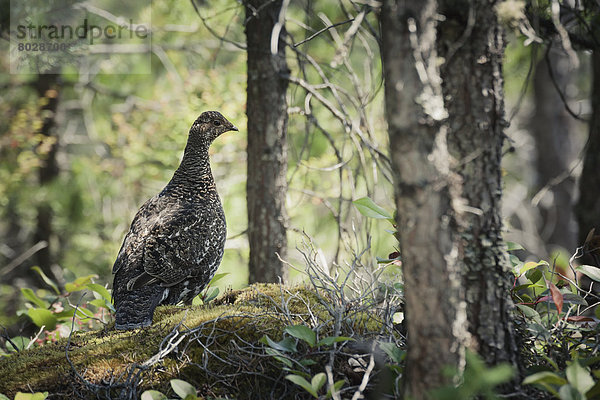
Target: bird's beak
[234,128]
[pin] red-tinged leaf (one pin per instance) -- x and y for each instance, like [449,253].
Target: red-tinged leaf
[543,298]
[394,255]
[579,318]
[557,296]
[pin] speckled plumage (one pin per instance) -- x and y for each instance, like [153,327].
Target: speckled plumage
[176,240]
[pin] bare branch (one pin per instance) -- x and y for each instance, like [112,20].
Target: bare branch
[23,257]
[555,84]
[317,33]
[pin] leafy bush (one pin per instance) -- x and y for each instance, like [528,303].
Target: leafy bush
[83,305]
[559,330]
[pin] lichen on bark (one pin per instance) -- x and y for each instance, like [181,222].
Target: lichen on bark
[472,46]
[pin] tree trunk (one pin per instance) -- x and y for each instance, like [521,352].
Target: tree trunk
[424,191]
[588,206]
[47,88]
[267,153]
[473,94]
[551,128]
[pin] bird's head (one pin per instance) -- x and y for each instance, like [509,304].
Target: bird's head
[209,125]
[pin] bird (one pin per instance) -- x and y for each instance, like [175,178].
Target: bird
[176,240]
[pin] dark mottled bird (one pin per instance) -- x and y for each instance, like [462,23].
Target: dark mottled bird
[176,240]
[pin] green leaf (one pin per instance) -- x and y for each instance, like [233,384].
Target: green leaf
[217,278]
[514,261]
[153,395]
[65,315]
[279,357]
[42,317]
[550,361]
[539,330]
[102,303]
[368,208]
[20,341]
[79,283]
[100,290]
[529,312]
[579,377]
[329,340]
[32,297]
[499,374]
[534,275]
[336,387]
[594,393]
[572,298]
[545,377]
[568,392]
[286,345]
[318,381]
[531,265]
[302,332]
[297,372]
[597,312]
[84,313]
[211,294]
[393,351]
[102,295]
[182,388]
[529,286]
[512,246]
[307,362]
[197,301]
[300,381]
[3,397]
[31,396]
[589,271]
[46,280]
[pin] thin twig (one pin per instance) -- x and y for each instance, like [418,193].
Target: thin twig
[558,90]
[317,33]
[23,257]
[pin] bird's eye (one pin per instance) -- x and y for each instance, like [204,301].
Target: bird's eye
[216,123]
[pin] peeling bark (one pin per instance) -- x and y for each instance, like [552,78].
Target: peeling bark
[267,148]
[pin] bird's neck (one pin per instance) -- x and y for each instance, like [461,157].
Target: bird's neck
[194,170]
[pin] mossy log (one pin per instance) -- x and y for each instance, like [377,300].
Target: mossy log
[216,348]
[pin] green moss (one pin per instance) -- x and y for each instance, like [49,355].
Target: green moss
[218,339]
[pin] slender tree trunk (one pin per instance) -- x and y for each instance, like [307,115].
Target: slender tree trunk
[267,154]
[551,128]
[47,88]
[472,47]
[424,190]
[588,206]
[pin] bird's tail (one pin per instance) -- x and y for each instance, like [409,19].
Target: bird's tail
[135,308]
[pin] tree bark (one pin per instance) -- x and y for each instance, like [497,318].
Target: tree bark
[551,128]
[472,48]
[267,153]
[424,191]
[588,207]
